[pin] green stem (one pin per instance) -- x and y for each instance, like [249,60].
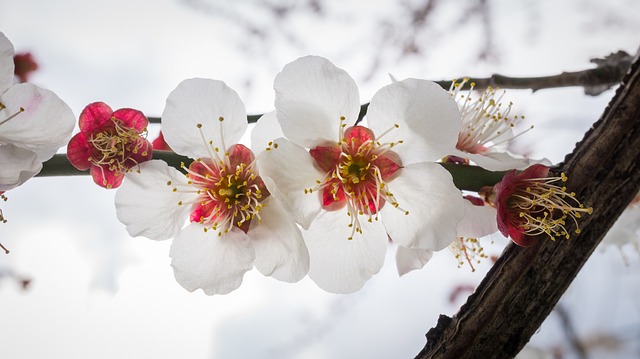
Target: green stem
[470,178]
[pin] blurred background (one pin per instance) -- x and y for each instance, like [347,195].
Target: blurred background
[77,286]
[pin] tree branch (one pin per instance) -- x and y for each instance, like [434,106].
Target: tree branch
[609,72]
[470,178]
[525,284]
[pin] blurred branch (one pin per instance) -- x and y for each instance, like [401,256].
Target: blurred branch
[525,284]
[570,332]
[608,73]
[8,273]
[465,177]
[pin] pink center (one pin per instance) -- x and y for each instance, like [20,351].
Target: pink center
[357,171]
[231,193]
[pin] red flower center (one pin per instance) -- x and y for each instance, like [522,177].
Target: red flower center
[357,168]
[230,192]
[114,145]
[532,203]
[485,122]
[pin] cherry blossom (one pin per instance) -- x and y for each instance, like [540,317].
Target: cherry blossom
[626,229]
[479,220]
[487,129]
[222,216]
[34,124]
[110,143]
[350,186]
[532,203]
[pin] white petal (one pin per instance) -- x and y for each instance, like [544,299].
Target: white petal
[478,221]
[340,265]
[500,161]
[205,260]
[427,116]
[311,96]
[408,259]
[625,229]
[293,170]
[6,63]
[280,250]
[18,165]
[266,130]
[44,126]
[203,101]
[435,207]
[148,206]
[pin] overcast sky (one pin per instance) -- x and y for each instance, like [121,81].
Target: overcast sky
[97,293]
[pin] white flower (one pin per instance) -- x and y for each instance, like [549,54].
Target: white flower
[487,129]
[626,229]
[349,186]
[479,221]
[234,220]
[34,124]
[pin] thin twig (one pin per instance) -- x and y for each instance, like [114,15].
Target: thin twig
[608,73]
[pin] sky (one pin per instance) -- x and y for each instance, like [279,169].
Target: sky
[96,292]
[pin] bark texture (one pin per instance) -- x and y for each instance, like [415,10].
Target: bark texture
[525,284]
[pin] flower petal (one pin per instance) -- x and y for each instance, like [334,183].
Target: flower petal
[478,221]
[625,229]
[6,63]
[106,178]
[205,260]
[131,118]
[18,165]
[427,116]
[43,127]
[339,265]
[292,170]
[326,157]
[311,96]
[143,153]
[408,259]
[280,250]
[266,130]
[435,207]
[148,206]
[500,161]
[78,152]
[94,116]
[203,102]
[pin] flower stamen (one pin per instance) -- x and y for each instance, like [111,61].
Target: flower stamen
[485,123]
[114,145]
[533,203]
[357,171]
[3,220]
[544,206]
[229,192]
[12,116]
[467,250]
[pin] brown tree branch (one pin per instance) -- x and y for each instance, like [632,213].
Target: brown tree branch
[609,72]
[470,178]
[525,284]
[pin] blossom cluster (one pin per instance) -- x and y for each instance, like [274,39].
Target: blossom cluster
[321,192]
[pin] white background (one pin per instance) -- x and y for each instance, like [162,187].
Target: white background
[97,293]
